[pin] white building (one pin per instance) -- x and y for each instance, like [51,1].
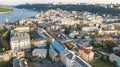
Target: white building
[54,55]
[19,40]
[39,53]
[108,26]
[40,42]
[83,43]
[115,58]
[22,29]
[43,37]
[91,30]
[69,59]
[20,62]
[72,35]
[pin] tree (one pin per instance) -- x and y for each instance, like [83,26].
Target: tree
[105,58]
[31,33]
[101,45]
[104,28]
[3,64]
[79,27]
[4,45]
[107,45]
[48,43]
[97,34]
[69,46]
[110,44]
[67,30]
[32,46]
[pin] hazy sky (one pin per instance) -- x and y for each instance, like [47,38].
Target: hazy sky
[9,2]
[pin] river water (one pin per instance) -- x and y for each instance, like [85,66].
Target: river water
[17,14]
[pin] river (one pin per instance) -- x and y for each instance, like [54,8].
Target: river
[17,14]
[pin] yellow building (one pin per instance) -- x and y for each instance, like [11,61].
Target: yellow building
[6,56]
[19,54]
[86,54]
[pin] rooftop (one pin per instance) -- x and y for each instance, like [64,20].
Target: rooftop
[87,51]
[70,55]
[57,46]
[53,51]
[115,56]
[15,35]
[83,64]
[39,51]
[77,60]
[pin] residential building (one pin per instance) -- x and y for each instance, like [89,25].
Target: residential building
[110,31]
[20,63]
[39,42]
[19,54]
[22,29]
[83,43]
[63,56]
[39,53]
[69,59]
[41,37]
[54,55]
[88,29]
[114,58]
[116,38]
[6,56]
[19,41]
[86,54]
[76,61]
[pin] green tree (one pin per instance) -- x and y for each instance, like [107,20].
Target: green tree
[110,44]
[48,43]
[3,64]
[4,45]
[69,46]
[105,58]
[32,46]
[101,46]
[67,30]
[79,27]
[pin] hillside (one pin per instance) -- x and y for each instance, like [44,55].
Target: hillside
[89,8]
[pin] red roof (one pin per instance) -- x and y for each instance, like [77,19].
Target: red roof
[87,51]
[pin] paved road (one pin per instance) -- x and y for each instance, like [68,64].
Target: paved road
[46,63]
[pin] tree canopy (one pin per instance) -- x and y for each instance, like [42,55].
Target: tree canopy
[69,7]
[5,10]
[107,45]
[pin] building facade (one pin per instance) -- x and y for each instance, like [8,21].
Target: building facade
[19,40]
[86,54]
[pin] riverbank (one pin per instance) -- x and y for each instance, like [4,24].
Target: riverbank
[16,14]
[5,12]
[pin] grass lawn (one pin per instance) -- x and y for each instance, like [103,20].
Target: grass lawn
[99,63]
[5,10]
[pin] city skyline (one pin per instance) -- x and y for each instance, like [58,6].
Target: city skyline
[16,2]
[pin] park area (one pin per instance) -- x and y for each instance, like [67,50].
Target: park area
[101,63]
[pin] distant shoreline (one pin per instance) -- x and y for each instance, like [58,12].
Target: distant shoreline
[69,7]
[5,12]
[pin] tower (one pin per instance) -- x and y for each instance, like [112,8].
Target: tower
[6,20]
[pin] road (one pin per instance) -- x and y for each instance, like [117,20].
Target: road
[46,63]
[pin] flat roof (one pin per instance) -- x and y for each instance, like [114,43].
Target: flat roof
[83,64]
[57,46]
[64,51]
[15,35]
[53,51]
